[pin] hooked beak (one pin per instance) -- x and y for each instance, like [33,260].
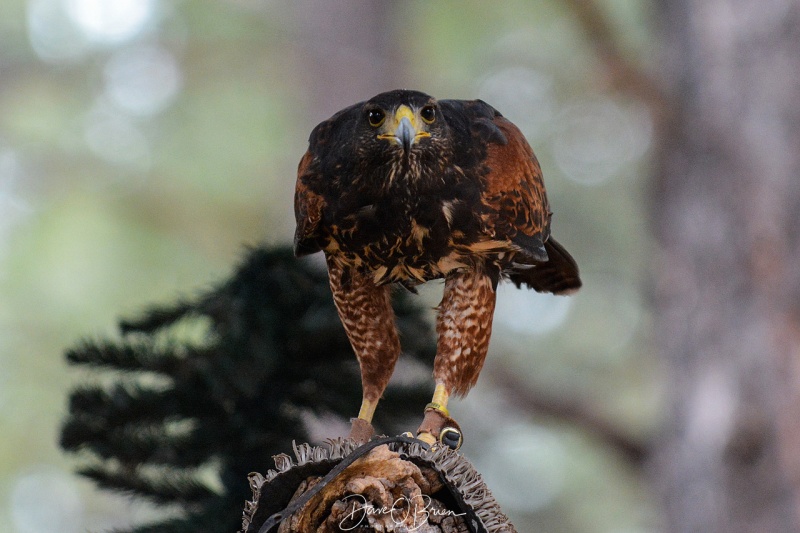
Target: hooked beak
[403,129]
[406,133]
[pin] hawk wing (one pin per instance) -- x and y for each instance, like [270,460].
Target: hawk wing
[315,174]
[308,208]
[515,204]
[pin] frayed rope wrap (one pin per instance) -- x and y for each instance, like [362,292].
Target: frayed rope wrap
[343,485]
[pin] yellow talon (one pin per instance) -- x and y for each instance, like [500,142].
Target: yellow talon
[427,438]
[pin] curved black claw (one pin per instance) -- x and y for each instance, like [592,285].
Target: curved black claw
[451,437]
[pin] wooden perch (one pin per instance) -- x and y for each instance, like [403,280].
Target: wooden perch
[391,484]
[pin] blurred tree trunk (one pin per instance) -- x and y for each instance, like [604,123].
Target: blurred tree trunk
[727,206]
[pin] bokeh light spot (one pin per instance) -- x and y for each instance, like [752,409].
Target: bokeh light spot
[53,36]
[526,312]
[115,139]
[143,80]
[110,21]
[596,139]
[522,94]
[45,500]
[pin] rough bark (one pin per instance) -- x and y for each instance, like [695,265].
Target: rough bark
[727,216]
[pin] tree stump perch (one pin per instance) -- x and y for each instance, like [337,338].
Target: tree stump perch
[387,485]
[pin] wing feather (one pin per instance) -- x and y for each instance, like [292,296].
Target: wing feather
[314,176]
[516,206]
[514,193]
[308,207]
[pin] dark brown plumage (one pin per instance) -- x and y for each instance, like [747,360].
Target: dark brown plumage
[403,189]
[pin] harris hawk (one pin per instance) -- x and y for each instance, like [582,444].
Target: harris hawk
[404,188]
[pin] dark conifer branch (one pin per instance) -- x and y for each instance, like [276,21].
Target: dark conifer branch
[272,348]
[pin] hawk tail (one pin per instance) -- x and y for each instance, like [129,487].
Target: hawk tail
[559,275]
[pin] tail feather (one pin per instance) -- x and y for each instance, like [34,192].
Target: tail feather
[559,275]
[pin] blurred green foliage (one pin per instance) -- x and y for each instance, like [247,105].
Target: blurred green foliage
[108,205]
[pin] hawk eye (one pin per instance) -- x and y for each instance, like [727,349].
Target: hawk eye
[376,117]
[428,114]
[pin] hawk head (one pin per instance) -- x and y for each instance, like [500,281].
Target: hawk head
[402,123]
[396,133]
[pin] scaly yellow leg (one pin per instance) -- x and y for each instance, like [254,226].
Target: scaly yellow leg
[439,401]
[361,429]
[367,410]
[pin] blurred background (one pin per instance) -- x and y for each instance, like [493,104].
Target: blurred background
[144,143]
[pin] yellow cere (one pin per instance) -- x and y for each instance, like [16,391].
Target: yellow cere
[390,127]
[404,112]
